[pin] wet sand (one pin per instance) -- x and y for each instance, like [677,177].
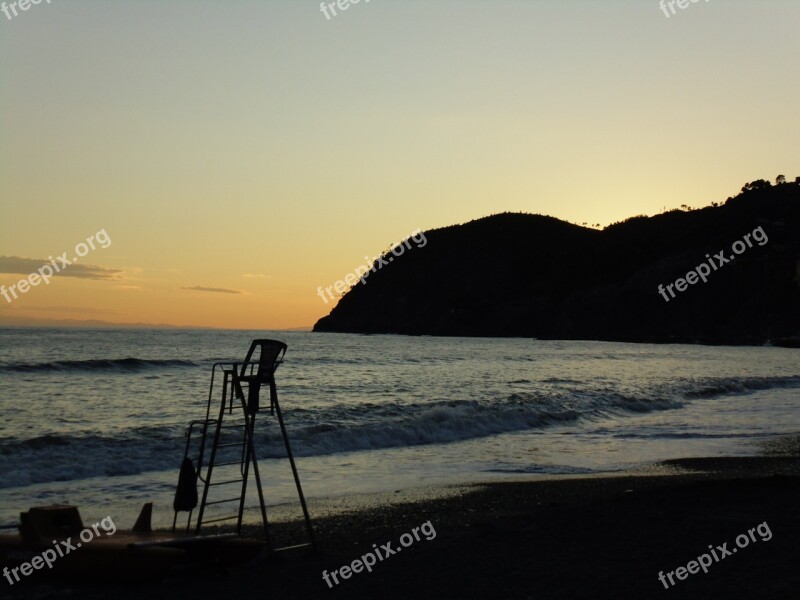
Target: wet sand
[577,537]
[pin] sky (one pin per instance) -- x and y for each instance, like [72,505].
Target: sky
[238,155]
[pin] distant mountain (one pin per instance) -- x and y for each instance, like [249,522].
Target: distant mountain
[535,276]
[26,322]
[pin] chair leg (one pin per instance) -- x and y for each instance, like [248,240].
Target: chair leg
[274,398]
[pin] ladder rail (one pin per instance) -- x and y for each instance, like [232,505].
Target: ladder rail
[198,460]
[214,447]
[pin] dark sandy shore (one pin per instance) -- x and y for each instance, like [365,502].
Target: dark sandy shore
[598,537]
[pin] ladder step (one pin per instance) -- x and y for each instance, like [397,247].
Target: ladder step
[237,499]
[217,520]
[226,464]
[295,547]
[239,444]
[226,482]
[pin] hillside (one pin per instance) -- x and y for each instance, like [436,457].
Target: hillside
[535,276]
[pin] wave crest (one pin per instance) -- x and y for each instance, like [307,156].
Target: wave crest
[126,365]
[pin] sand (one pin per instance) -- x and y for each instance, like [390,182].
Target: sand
[573,537]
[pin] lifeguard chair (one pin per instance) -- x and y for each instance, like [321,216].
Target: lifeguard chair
[220,451]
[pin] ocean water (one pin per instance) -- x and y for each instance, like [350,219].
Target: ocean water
[97,417]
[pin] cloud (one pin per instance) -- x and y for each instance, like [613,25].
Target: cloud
[25,266]
[253,275]
[200,288]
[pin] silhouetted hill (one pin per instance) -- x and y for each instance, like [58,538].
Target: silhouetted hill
[535,276]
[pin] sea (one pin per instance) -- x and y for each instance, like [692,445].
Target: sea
[97,417]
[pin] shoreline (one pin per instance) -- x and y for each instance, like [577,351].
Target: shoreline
[769,453]
[575,536]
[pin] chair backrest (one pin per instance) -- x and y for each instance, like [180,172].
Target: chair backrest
[269,358]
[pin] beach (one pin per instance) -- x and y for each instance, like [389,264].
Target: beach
[433,467]
[371,414]
[564,537]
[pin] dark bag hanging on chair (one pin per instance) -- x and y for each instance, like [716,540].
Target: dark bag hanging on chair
[186,493]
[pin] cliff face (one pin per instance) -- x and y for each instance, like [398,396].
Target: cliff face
[534,276]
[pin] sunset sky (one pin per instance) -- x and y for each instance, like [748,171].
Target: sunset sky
[258,150]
